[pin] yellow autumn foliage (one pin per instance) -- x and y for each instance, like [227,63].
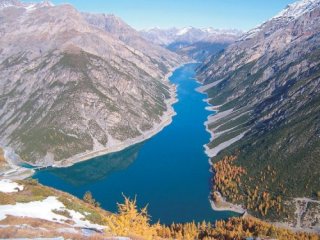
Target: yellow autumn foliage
[131,222]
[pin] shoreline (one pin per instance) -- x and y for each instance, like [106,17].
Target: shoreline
[225,205]
[12,170]
[166,119]
[215,109]
[222,204]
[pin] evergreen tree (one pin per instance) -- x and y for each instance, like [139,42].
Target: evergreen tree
[89,199]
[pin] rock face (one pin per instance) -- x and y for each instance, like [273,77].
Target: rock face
[68,86]
[122,31]
[193,42]
[268,87]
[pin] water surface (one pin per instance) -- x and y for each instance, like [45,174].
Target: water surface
[170,172]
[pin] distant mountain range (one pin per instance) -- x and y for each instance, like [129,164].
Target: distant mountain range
[73,82]
[191,35]
[193,42]
[267,88]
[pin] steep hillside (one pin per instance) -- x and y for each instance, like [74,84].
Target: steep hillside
[267,89]
[68,87]
[122,31]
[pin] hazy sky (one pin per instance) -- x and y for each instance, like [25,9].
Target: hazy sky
[241,14]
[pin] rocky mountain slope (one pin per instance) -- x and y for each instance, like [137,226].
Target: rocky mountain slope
[267,88]
[193,42]
[122,31]
[69,86]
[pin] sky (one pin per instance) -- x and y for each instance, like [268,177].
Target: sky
[222,14]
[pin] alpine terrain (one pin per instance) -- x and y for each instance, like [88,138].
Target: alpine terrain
[84,97]
[193,42]
[266,87]
[72,84]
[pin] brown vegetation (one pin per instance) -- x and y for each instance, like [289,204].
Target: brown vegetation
[131,222]
[233,229]
[87,198]
[35,228]
[134,223]
[228,180]
[2,159]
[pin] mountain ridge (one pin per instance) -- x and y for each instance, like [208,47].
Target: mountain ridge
[266,87]
[195,43]
[189,34]
[78,87]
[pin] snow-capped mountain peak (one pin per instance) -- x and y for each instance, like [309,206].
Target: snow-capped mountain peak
[297,9]
[9,3]
[189,34]
[27,6]
[290,13]
[183,31]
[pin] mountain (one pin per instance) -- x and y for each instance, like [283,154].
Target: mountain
[198,51]
[69,88]
[266,86]
[193,42]
[28,6]
[122,31]
[191,35]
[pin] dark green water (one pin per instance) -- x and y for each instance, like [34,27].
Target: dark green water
[170,172]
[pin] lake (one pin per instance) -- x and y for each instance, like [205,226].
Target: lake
[169,172]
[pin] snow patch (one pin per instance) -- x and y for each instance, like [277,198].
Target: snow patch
[31,7]
[43,210]
[7,186]
[27,6]
[290,13]
[184,31]
[297,9]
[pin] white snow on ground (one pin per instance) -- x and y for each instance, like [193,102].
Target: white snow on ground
[43,210]
[30,7]
[7,186]
[297,9]
[290,13]
[184,31]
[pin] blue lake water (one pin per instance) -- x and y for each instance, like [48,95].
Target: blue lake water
[169,172]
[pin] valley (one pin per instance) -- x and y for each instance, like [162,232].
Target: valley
[216,131]
[177,174]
